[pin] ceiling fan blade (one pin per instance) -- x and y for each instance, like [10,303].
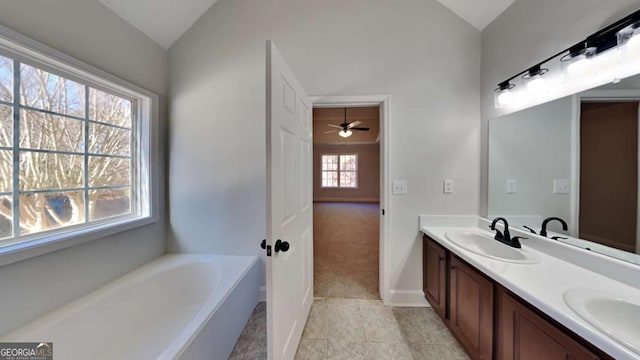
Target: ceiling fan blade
[361,129]
[354,124]
[335,126]
[330,131]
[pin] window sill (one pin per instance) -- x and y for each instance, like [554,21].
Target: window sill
[49,243]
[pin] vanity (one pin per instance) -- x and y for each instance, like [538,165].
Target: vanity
[506,303]
[529,303]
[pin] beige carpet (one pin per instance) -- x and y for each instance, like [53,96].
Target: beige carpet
[346,250]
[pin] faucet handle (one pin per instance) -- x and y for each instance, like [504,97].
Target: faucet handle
[530,229]
[519,238]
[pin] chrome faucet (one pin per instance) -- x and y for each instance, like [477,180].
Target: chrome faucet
[505,237]
[543,232]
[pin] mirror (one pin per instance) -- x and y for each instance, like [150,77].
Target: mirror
[575,158]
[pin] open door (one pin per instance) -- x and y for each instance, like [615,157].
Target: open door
[289,208]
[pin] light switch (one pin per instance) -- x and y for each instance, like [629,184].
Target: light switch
[447,186]
[512,186]
[561,186]
[399,187]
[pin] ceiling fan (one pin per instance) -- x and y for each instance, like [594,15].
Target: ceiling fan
[346,128]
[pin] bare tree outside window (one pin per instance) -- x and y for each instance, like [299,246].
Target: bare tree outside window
[74,151]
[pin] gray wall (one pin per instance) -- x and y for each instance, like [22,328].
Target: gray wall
[91,33]
[417,51]
[528,32]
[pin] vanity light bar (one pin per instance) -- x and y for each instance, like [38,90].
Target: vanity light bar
[574,59]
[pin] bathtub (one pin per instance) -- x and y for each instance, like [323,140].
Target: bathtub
[187,307]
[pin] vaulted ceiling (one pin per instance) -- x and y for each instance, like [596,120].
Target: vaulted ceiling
[164,21]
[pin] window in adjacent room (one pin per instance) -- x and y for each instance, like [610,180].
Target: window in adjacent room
[340,170]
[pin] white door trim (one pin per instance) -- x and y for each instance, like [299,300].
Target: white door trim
[384,101]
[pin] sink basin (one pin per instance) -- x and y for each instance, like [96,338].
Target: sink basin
[616,316]
[489,247]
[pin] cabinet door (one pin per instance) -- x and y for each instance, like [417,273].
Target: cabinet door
[435,276]
[524,335]
[471,309]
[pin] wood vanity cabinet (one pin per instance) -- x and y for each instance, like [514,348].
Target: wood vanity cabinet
[467,301]
[434,281]
[522,334]
[471,309]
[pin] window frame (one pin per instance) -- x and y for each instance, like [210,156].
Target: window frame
[338,171]
[145,162]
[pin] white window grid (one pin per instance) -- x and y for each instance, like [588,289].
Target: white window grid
[133,157]
[336,175]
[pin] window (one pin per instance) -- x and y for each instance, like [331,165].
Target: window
[340,171]
[71,150]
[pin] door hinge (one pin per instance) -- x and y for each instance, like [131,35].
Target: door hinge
[382,212]
[268,250]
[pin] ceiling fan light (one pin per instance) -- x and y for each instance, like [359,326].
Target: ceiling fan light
[345,134]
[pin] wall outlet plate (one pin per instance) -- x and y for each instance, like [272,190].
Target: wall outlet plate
[561,186]
[399,187]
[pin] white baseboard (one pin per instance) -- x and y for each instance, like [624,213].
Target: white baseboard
[408,298]
[263,294]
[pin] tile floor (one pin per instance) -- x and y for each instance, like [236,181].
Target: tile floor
[351,272]
[252,344]
[359,329]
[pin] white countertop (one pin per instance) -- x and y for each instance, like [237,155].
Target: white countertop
[542,284]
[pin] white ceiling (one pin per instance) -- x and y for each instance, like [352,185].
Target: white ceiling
[478,13]
[164,21]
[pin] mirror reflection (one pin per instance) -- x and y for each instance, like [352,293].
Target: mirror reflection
[568,169]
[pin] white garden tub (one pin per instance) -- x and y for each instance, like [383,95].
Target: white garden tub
[176,307]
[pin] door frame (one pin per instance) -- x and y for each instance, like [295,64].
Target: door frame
[384,101]
[602,95]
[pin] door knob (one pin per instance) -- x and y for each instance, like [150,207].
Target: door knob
[281,246]
[263,244]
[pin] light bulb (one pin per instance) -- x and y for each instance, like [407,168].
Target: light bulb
[578,67]
[537,84]
[345,134]
[633,44]
[505,98]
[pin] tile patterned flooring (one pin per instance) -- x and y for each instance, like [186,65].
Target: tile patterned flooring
[359,329]
[252,344]
[347,321]
[346,250]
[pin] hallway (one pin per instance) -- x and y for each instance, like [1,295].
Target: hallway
[346,250]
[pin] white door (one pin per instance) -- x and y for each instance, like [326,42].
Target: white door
[289,208]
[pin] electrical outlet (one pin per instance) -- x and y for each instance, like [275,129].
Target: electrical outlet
[447,186]
[399,187]
[512,186]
